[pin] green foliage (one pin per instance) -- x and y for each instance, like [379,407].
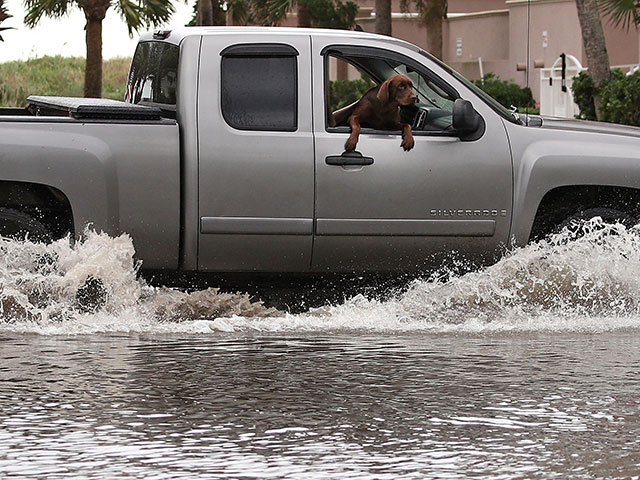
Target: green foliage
[583,93]
[621,12]
[507,93]
[62,76]
[219,14]
[3,16]
[324,13]
[345,92]
[137,15]
[331,13]
[619,98]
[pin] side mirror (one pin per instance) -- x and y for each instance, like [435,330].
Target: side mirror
[465,119]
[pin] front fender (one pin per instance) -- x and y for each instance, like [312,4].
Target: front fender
[550,159]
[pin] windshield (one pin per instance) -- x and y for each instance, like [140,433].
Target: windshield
[500,109]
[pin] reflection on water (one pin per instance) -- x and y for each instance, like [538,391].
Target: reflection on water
[313,406]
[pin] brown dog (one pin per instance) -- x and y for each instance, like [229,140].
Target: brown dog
[379,109]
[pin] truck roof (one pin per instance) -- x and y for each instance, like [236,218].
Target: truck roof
[176,35]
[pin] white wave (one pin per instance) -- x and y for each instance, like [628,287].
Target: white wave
[92,286]
[589,284]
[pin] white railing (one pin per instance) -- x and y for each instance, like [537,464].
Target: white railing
[558,101]
[556,98]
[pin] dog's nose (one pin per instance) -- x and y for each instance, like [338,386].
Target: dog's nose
[414,99]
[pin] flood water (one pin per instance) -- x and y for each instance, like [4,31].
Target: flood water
[526,369]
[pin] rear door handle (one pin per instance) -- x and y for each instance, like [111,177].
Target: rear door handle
[349,158]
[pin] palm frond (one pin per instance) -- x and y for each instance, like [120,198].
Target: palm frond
[36,9]
[3,13]
[2,29]
[271,12]
[144,13]
[130,13]
[241,11]
[623,13]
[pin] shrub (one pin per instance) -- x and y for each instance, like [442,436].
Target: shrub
[507,93]
[619,98]
[583,92]
[345,92]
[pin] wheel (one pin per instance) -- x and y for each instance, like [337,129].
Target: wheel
[18,225]
[575,224]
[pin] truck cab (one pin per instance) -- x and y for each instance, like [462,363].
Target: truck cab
[259,193]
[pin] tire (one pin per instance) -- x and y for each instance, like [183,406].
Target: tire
[20,225]
[575,223]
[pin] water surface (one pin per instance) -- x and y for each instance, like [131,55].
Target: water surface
[527,369]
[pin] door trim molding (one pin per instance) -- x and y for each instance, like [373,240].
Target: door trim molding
[401,227]
[256,225]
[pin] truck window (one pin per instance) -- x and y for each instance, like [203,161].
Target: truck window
[260,92]
[349,77]
[153,76]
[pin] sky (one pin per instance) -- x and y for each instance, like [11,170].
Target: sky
[66,36]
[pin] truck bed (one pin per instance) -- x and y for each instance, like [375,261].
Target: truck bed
[117,165]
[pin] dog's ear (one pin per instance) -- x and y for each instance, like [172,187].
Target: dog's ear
[383,91]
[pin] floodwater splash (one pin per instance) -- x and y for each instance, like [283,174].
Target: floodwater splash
[586,284]
[93,286]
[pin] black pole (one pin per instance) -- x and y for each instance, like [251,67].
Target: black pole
[564,71]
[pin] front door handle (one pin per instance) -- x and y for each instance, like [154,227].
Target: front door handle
[349,158]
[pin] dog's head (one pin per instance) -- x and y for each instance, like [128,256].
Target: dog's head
[397,88]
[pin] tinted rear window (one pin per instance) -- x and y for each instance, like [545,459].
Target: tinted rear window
[154,74]
[260,92]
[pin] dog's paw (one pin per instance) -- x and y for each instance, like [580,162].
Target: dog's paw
[407,143]
[350,145]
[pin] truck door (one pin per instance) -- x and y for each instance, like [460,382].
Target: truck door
[255,154]
[397,210]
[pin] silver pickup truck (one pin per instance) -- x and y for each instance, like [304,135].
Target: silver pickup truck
[225,157]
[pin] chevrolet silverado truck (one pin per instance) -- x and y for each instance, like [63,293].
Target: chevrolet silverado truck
[226,157]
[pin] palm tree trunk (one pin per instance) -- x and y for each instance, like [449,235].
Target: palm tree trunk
[93,67]
[434,14]
[219,16]
[304,16]
[383,17]
[205,12]
[594,46]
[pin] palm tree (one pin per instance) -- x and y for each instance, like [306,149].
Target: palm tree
[210,13]
[214,12]
[3,16]
[137,15]
[310,13]
[594,46]
[383,17]
[433,12]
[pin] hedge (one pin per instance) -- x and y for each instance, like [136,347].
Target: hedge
[619,98]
